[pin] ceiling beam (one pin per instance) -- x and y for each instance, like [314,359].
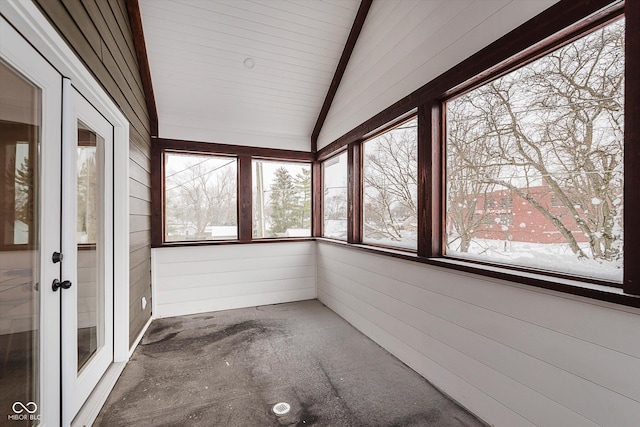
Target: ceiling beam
[342,65]
[135,20]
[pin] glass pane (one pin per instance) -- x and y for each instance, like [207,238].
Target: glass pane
[20,121]
[390,175]
[281,199]
[200,197]
[334,174]
[89,226]
[535,162]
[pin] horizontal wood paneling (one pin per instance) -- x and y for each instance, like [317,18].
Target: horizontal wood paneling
[407,43]
[549,359]
[140,157]
[139,255]
[139,223]
[100,34]
[138,190]
[191,280]
[138,173]
[138,239]
[139,206]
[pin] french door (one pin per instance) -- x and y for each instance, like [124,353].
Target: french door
[56,240]
[87,245]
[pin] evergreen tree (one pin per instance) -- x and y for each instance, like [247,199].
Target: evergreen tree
[23,183]
[303,198]
[283,201]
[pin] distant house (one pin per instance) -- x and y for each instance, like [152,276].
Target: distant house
[505,215]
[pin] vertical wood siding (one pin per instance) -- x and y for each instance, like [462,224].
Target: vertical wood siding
[210,278]
[515,356]
[99,32]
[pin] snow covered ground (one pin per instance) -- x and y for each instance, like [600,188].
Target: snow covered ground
[548,257]
[335,228]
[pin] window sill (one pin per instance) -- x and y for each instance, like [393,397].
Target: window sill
[569,286]
[231,242]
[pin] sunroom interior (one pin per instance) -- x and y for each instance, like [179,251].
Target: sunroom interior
[454,180]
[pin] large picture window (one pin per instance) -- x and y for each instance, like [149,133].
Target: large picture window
[390,196]
[534,163]
[281,199]
[334,193]
[200,197]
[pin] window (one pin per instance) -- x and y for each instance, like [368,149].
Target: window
[281,199]
[334,191]
[549,133]
[200,197]
[20,120]
[489,202]
[89,159]
[506,202]
[390,193]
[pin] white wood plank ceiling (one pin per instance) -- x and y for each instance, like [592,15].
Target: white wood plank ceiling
[197,53]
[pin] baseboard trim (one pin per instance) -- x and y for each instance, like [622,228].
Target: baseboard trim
[139,337]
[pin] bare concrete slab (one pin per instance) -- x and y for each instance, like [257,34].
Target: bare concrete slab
[230,368]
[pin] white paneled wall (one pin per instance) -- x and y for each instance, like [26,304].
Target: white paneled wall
[198,279]
[404,44]
[513,355]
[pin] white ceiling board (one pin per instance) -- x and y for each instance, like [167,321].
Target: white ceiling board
[203,92]
[404,44]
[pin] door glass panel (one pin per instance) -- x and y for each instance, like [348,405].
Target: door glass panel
[20,124]
[90,203]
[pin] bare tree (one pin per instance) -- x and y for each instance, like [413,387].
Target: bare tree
[390,182]
[558,121]
[201,194]
[467,160]
[335,203]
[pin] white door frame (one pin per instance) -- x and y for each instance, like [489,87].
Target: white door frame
[25,17]
[23,58]
[34,26]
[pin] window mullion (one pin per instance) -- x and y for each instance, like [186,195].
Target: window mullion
[354,180]
[631,272]
[430,172]
[245,205]
[317,208]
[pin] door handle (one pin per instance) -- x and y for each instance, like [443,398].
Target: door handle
[57,284]
[56,257]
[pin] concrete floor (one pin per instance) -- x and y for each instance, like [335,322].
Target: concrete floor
[229,368]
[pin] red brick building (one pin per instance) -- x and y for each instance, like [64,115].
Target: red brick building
[505,215]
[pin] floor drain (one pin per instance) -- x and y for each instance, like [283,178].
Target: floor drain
[281,408]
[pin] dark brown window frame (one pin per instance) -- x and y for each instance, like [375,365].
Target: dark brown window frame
[244,156]
[606,17]
[219,155]
[359,225]
[283,160]
[319,197]
[558,25]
